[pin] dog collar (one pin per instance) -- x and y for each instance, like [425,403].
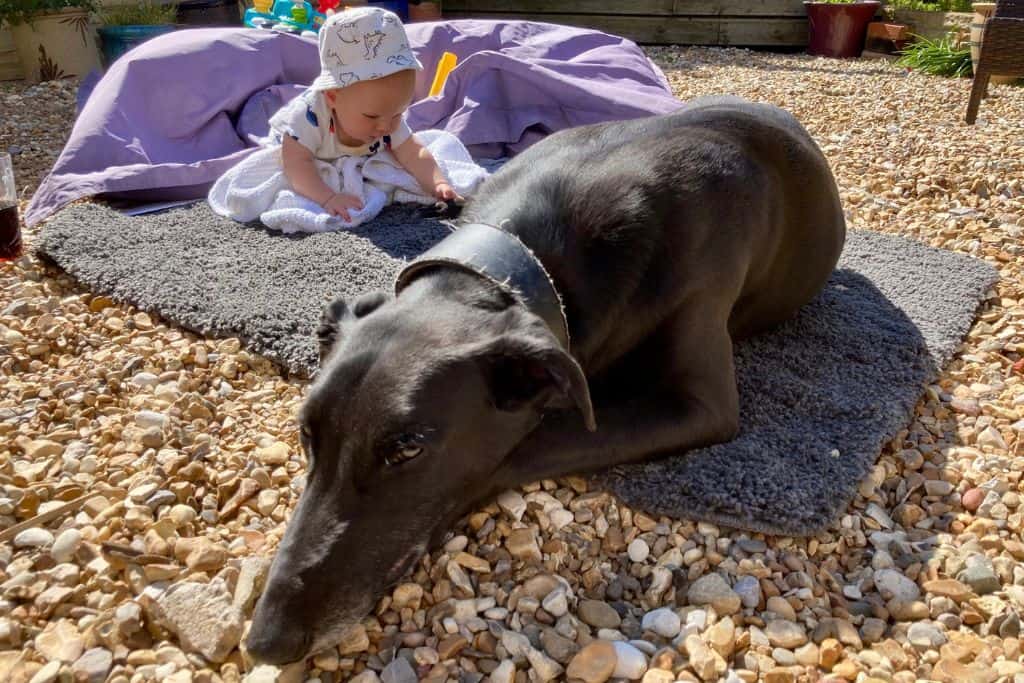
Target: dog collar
[499,257]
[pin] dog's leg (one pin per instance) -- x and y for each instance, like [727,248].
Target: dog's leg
[694,403]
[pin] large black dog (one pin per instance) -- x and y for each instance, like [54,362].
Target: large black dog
[583,315]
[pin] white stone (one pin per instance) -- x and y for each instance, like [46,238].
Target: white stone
[665,622]
[893,584]
[66,545]
[556,603]
[33,538]
[638,550]
[513,503]
[631,663]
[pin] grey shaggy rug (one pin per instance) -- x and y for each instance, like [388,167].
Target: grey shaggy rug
[820,395]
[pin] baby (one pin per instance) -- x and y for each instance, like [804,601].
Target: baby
[356,106]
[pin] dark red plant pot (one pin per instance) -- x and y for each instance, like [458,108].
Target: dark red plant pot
[838,30]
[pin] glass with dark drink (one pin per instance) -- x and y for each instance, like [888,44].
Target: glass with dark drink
[10,229]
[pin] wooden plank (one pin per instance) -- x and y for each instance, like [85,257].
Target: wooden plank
[739,32]
[767,8]
[739,8]
[658,7]
[6,40]
[764,32]
[10,67]
[10,64]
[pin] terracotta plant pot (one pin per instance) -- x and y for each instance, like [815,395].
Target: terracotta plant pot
[838,30]
[57,45]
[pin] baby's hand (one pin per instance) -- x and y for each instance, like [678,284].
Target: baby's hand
[446,192]
[339,204]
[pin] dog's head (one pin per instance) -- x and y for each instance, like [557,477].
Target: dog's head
[418,401]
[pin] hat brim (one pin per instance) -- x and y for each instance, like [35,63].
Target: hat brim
[327,81]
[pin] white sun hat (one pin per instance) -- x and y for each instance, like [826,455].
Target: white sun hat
[362,44]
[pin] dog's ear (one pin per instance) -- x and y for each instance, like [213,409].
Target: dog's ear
[522,369]
[338,313]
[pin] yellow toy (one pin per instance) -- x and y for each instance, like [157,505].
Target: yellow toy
[444,67]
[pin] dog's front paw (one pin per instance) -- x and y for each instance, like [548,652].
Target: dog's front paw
[443,209]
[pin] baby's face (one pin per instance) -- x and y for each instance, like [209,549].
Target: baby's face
[368,110]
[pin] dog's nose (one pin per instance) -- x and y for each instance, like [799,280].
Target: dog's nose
[276,642]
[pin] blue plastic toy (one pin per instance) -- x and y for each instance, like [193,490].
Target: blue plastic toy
[288,16]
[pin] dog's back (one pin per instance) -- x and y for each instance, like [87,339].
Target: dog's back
[633,217]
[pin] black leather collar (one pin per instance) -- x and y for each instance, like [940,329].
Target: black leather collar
[497,256]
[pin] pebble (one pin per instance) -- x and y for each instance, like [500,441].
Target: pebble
[505,672]
[894,585]
[595,663]
[267,500]
[560,649]
[598,614]
[251,577]
[513,503]
[354,640]
[711,589]
[980,575]
[522,543]
[93,666]
[781,607]
[66,545]
[398,671]
[971,500]
[48,673]
[149,418]
[60,640]
[368,676]
[33,538]
[276,453]
[707,663]
[182,515]
[658,676]
[203,618]
[872,630]
[807,654]
[950,588]
[664,622]
[786,634]
[556,603]
[544,667]
[722,637]
[638,550]
[630,663]
[516,644]
[749,590]
[925,636]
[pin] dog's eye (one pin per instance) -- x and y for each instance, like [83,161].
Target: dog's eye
[403,454]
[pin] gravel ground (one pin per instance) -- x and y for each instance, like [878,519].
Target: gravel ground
[189,449]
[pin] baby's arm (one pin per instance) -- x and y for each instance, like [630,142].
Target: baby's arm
[300,169]
[418,160]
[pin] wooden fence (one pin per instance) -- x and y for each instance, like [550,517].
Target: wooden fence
[747,23]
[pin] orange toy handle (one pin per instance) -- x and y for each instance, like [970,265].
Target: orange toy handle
[444,67]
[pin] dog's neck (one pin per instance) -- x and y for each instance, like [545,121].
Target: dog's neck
[504,262]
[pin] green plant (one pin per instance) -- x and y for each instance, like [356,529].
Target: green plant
[937,57]
[15,12]
[146,13]
[933,5]
[48,69]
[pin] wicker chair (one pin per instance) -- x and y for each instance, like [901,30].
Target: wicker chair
[1002,50]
